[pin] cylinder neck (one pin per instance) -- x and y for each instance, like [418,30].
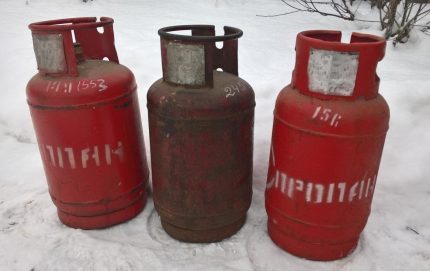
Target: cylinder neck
[54,44]
[79,54]
[326,68]
[190,60]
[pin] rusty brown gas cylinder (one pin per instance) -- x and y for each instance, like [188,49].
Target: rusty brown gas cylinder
[201,133]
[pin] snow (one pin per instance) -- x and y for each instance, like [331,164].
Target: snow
[397,236]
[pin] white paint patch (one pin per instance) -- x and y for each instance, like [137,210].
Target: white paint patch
[49,52]
[332,73]
[185,64]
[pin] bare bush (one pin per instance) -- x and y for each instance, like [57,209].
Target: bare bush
[396,17]
[333,8]
[399,17]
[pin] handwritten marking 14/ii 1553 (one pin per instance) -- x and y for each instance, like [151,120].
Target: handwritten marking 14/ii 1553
[81,85]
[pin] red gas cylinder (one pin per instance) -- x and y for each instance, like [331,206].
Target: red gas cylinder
[328,134]
[201,132]
[86,117]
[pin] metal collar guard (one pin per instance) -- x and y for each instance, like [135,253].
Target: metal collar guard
[53,43]
[326,68]
[203,33]
[189,60]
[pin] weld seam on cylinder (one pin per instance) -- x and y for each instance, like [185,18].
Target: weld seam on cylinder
[82,106]
[294,236]
[193,229]
[153,112]
[326,134]
[142,185]
[163,210]
[142,197]
[101,213]
[281,213]
[318,243]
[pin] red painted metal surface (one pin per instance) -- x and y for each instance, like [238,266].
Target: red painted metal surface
[328,134]
[86,117]
[201,133]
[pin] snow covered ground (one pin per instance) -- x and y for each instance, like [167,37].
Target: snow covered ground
[397,236]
